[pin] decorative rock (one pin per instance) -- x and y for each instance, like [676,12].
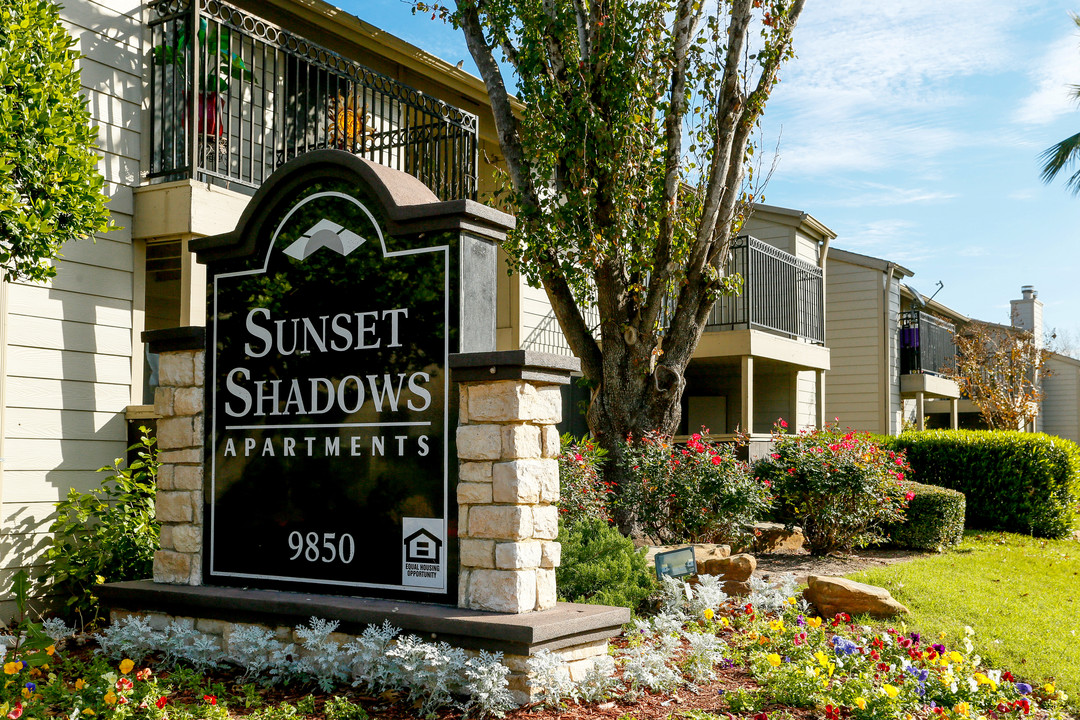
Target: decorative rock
[175,432]
[474,493]
[518,481]
[551,445]
[551,554]
[187,401]
[187,477]
[831,595]
[545,522]
[545,589]
[474,472]
[737,568]
[174,507]
[775,538]
[735,588]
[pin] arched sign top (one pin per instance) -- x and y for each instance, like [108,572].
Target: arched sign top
[409,206]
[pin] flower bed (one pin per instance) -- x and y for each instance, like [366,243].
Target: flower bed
[766,656]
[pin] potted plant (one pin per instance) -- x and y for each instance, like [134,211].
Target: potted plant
[220,66]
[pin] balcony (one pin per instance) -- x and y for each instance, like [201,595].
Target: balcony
[927,344]
[927,351]
[263,95]
[782,296]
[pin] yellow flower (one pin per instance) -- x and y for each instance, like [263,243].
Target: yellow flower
[1049,688]
[814,622]
[942,635]
[956,657]
[100,579]
[80,684]
[708,613]
[822,658]
[26,693]
[962,709]
[890,691]
[724,621]
[774,659]
[126,666]
[776,625]
[983,680]
[860,703]
[791,601]
[110,698]
[50,650]
[88,711]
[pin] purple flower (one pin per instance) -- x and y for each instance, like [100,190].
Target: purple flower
[1023,688]
[31,686]
[843,646]
[915,637]
[939,648]
[800,621]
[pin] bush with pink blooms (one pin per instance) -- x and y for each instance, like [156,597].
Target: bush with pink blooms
[697,492]
[841,488]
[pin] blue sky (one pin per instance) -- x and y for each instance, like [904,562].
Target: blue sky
[913,130]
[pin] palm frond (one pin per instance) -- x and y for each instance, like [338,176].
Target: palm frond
[1060,156]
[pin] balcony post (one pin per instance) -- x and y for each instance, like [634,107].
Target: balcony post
[193,91]
[954,414]
[819,400]
[747,409]
[920,410]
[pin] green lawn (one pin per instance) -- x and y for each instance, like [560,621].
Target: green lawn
[1020,594]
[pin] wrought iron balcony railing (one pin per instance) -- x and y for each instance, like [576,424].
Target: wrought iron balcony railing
[781,294]
[262,95]
[927,344]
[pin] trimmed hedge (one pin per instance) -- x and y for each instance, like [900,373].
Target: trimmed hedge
[1018,482]
[935,519]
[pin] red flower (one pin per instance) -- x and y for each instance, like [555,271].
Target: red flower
[783,423]
[210,699]
[909,497]
[17,712]
[124,684]
[162,702]
[142,674]
[716,459]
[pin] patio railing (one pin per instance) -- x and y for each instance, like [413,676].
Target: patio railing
[263,95]
[781,294]
[927,344]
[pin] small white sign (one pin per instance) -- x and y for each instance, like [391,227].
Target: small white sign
[423,553]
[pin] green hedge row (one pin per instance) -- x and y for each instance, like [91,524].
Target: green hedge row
[935,519]
[1013,481]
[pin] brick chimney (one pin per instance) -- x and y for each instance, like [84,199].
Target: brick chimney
[1027,313]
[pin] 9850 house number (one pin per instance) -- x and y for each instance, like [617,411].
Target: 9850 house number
[332,547]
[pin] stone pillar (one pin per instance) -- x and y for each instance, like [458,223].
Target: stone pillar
[508,479]
[178,403]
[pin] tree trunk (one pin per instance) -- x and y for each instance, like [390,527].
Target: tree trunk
[630,404]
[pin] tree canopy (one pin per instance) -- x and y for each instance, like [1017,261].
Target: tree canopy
[50,189]
[628,158]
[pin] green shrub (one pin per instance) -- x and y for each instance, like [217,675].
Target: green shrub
[935,519]
[840,487]
[1018,482]
[105,535]
[582,491]
[698,493]
[601,567]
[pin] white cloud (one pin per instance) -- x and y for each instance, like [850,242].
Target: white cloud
[892,239]
[877,85]
[1057,70]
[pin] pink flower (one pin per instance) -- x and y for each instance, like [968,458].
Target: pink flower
[716,459]
[17,712]
[577,457]
[909,497]
[783,423]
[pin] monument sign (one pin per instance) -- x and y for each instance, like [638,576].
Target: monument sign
[327,445]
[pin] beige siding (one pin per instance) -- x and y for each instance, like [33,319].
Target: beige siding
[67,365]
[853,319]
[773,233]
[1061,399]
[895,419]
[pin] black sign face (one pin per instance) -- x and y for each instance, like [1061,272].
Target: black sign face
[328,405]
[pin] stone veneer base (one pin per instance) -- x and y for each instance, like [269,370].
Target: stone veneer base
[577,632]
